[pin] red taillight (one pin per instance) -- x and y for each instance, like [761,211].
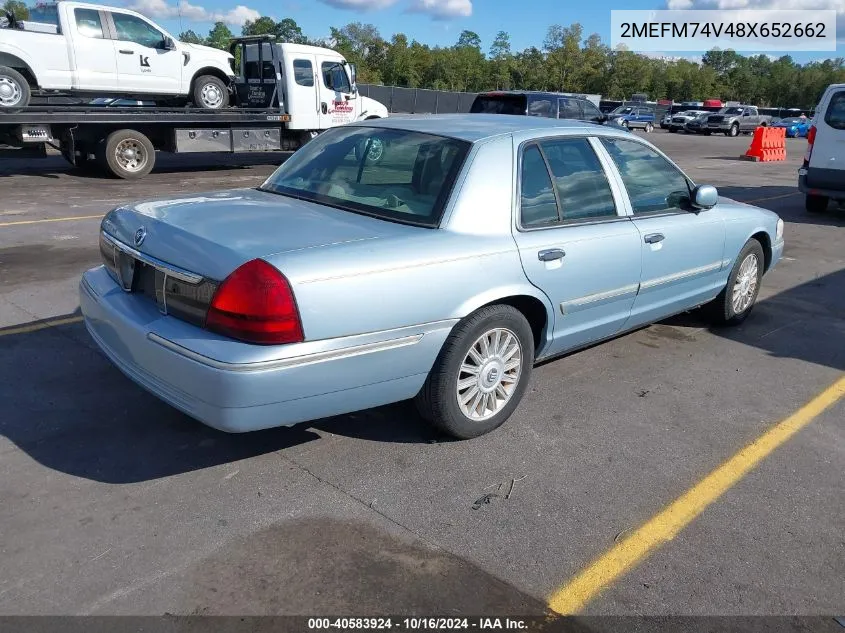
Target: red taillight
[255,304]
[811,137]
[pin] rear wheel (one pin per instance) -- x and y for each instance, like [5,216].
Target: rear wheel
[649,128]
[14,89]
[816,204]
[481,373]
[127,154]
[210,93]
[734,303]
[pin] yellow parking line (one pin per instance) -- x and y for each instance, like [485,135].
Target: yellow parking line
[78,217]
[664,526]
[783,195]
[43,325]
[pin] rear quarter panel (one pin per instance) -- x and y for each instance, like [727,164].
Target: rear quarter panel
[46,55]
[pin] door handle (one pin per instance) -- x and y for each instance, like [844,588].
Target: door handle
[551,254]
[324,107]
[654,238]
[126,52]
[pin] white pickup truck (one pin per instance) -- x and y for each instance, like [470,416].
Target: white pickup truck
[103,51]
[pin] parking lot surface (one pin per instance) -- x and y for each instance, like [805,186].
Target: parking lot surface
[114,503]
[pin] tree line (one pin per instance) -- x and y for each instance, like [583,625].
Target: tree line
[566,61]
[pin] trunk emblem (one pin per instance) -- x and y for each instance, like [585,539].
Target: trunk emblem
[140,236]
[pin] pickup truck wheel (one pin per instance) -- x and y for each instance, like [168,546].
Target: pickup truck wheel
[127,154]
[734,131]
[816,204]
[481,373]
[210,93]
[14,89]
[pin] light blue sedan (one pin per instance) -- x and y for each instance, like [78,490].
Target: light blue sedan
[474,247]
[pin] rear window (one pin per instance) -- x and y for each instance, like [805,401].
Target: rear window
[835,115]
[499,104]
[390,174]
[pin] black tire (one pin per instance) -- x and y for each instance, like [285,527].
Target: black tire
[672,130]
[123,165]
[14,89]
[706,133]
[437,401]
[722,308]
[816,204]
[210,93]
[733,131]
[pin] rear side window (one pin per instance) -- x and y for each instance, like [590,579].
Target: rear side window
[88,23]
[579,179]
[569,109]
[541,107]
[835,114]
[303,72]
[538,205]
[499,104]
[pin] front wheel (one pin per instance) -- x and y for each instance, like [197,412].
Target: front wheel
[734,303]
[481,373]
[210,93]
[14,89]
[734,131]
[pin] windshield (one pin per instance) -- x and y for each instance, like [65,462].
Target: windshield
[391,174]
[622,110]
[730,111]
[499,104]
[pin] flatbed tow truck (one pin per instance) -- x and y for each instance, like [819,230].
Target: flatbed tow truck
[286,95]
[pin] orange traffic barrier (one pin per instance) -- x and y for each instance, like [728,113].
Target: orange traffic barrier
[768,144]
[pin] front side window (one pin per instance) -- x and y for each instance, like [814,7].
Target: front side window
[88,23]
[654,185]
[582,187]
[303,72]
[410,182]
[591,111]
[538,205]
[835,114]
[132,29]
[334,77]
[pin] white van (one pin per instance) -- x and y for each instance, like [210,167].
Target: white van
[822,176]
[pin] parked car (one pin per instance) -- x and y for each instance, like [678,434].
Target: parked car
[679,121]
[735,119]
[634,117]
[496,244]
[550,105]
[665,120]
[822,176]
[104,51]
[698,125]
[795,126]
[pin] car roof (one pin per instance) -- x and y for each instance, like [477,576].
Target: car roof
[477,127]
[530,93]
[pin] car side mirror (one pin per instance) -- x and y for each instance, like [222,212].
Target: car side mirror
[602,118]
[169,44]
[705,197]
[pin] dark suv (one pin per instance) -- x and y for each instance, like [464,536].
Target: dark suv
[551,105]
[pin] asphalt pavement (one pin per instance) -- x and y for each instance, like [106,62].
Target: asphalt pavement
[114,503]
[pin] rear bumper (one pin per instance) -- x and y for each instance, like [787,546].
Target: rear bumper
[823,177]
[268,386]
